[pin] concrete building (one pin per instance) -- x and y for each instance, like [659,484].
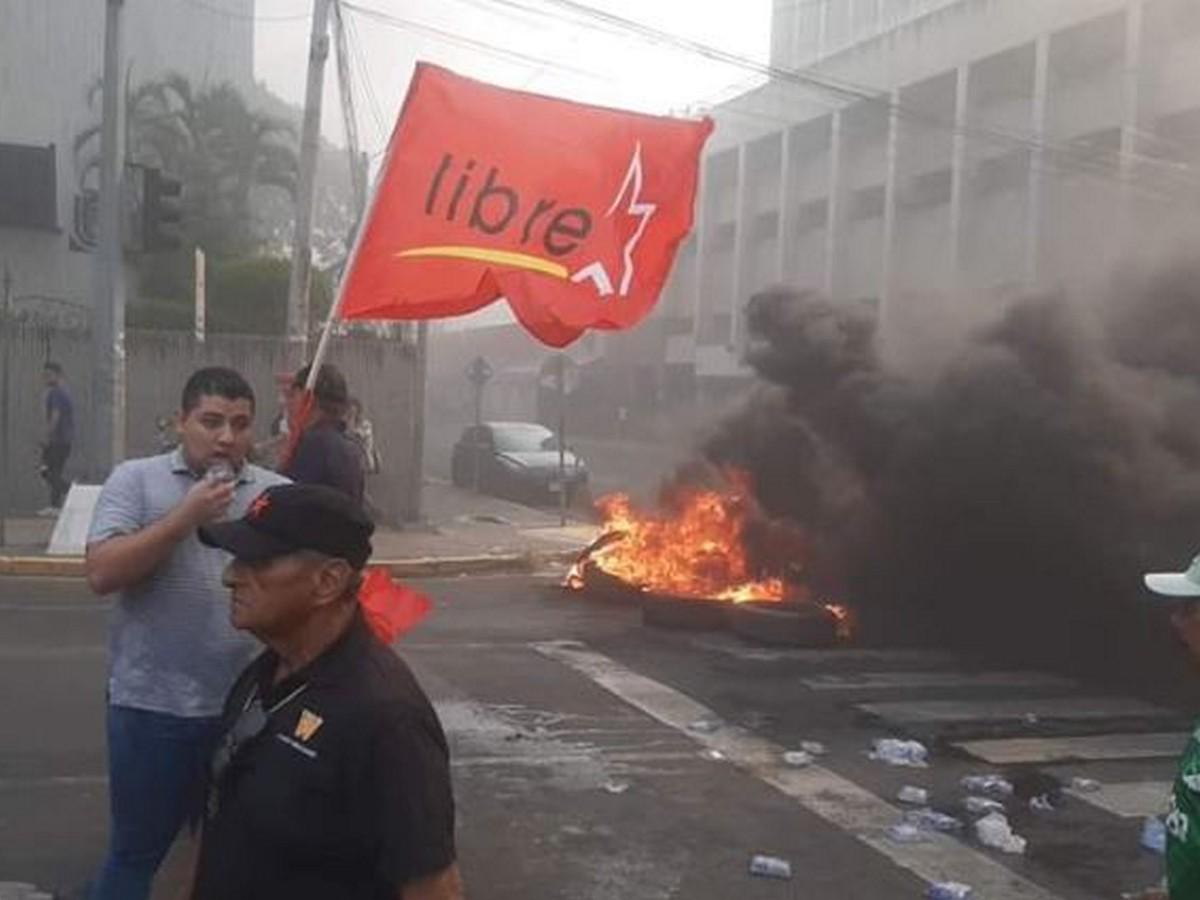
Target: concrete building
[51,54]
[928,152]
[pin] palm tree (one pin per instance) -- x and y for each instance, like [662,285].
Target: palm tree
[221,149]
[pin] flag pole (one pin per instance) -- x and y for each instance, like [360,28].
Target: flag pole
[335,308]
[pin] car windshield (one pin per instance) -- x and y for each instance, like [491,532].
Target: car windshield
[523,438]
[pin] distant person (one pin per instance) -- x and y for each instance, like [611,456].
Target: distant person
[360,428]
[1179,594]
[172,651]
[325,453]
[270,451]
[332,779]
[59,435]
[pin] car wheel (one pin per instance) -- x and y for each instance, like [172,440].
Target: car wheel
[784,624]
[684,613]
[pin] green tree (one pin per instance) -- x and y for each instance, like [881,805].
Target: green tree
[226,155]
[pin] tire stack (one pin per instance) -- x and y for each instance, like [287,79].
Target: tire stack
[772,623]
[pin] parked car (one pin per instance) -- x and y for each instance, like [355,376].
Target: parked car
[518,461]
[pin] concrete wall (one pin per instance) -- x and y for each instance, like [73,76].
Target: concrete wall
[379,372]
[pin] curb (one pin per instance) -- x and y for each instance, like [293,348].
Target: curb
[417,567]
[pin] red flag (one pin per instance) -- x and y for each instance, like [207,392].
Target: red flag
[571,212]
[391,609]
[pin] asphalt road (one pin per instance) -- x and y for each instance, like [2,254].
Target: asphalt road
[598,759]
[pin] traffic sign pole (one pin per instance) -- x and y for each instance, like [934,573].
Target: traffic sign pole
[561,377]
[479,372]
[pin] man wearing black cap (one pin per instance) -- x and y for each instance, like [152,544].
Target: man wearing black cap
[325,453]
[1179,592]
[332,779]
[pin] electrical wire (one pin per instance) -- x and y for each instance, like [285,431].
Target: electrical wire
[359,58]
[1060,157]
[1047,157]
[469,43]
[242,17]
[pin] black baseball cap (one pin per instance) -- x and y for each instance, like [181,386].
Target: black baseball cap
[289,518]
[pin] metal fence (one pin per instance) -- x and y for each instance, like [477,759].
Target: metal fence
[381,373]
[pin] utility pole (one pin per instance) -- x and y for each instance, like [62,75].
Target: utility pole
[108,311]
[310,146]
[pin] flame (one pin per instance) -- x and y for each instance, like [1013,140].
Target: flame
[697,550]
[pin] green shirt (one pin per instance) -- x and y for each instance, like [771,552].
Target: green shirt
[1183,826]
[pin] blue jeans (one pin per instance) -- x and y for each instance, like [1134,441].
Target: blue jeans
[156,776]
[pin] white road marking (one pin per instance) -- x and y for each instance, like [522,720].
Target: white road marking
[731,647]
[838,800]
[858,681]
[1154,745]
[923,712]
[1134,800]
[575,752]
[565,759]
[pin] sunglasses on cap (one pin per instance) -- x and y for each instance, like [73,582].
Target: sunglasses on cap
[249,724]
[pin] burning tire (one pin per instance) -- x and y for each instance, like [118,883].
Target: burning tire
[785,624]
[684,613]
[608,588]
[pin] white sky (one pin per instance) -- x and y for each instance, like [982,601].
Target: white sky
[591,64]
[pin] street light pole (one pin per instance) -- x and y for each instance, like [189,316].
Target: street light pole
[108,314]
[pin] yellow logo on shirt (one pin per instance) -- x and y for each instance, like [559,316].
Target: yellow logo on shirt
[308,725]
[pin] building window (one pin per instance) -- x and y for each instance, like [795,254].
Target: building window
[28,187]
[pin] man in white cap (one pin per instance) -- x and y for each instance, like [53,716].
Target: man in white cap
[1180,591]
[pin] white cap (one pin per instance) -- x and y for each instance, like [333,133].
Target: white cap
[1176,584]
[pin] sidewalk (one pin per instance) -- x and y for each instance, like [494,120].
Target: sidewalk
[461,532]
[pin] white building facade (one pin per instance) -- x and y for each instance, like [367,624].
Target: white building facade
[917,152]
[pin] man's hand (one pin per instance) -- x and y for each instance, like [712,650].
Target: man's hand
[207,501]
[443,885]
[121,562]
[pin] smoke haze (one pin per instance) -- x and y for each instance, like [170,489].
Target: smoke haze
[1012,499]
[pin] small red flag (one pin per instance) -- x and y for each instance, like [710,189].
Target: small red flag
[392,609]
[573,213]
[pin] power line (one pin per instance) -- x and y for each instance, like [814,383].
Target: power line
[469,43]
[242,17]
[1062,157]
[358,56]
[358,178]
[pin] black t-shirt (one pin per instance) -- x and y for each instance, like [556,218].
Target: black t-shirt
[345,793]
[327,455]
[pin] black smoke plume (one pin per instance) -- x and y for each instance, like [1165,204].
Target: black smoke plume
[1008,504]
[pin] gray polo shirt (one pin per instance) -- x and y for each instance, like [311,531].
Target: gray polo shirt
[171,647]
